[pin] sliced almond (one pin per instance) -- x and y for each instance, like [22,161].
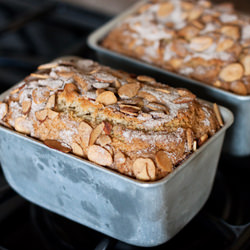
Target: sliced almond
[190,138]
[55,144]
[52,114]
[104,77]
[194,13]
[99,91]
[21,125]
[48,66]
[143,78]
[77,149]
[231,31]
[107,128]
[119,158]
[187,5]
[41,115]
[188,32]
[101,85]
[26,106]
[245,60]
[51,102]
[128,90]
[117,83]
[41,76]
[14,91]
[186,93]
[70,87]
[40,96]
[163,162]
[165,9]
[66,74]
[81,82]
[183,99]
[144,169]
[99,155]
[202,139]
[218,114]
[129,109]
[224,45]
[106,98]
[201,43]
[3,110]
[103,140]
[157,106]
[149,97]
[232,72]
[164,91]
[238,87]
[84,130]
[97,131]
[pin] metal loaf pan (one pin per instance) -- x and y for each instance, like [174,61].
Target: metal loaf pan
[139,213]
[237,141]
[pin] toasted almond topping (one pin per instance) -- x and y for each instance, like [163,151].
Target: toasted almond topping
[246,63]
[224,45]
[202,139]
[185,93]
[190,138]
[101,85]
[52,114]
[48,66]
[128,90]
[238,87]
[143,78]
[26,106]
[232,72]
[107,128]
[77,149]
[103,77]
[95,70]
[117,84]
[21,125]
[119,158]
[99,155]
[41,76]
[198,24]
[217,83]
[194,13]
[66,74]
[195,145]
[144,169]
[106,98]
[84,130]
[40,97]
[14,91]
[218,114]
[130,110]
[187,5]
[109,149]
[157,106]
[41,115]
[165,9]
[164,91]
[99,91]
[163,162]
[97,131]
[3,110]
[121,105]
[231,31]
[51,102]
[201,43]
[149,97]
[55,144]
[70,87]
[103,140]
[81,82]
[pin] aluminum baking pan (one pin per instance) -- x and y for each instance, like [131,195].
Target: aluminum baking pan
[135,212]
[237,141]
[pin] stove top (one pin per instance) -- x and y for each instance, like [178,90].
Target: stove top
[33,32]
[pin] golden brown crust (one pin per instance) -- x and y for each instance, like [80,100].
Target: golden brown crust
[140,128]
[197,39]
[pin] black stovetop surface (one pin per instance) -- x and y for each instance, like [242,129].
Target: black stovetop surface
[34,32]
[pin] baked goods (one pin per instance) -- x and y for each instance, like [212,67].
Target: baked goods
[209,43]
[131,124]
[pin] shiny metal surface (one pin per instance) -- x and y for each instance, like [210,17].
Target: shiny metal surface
[238,137]
[139,213]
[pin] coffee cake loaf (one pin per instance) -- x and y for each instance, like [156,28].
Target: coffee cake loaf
[209,43]
[131,124]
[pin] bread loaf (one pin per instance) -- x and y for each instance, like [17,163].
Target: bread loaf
[206,42]
[131,124]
